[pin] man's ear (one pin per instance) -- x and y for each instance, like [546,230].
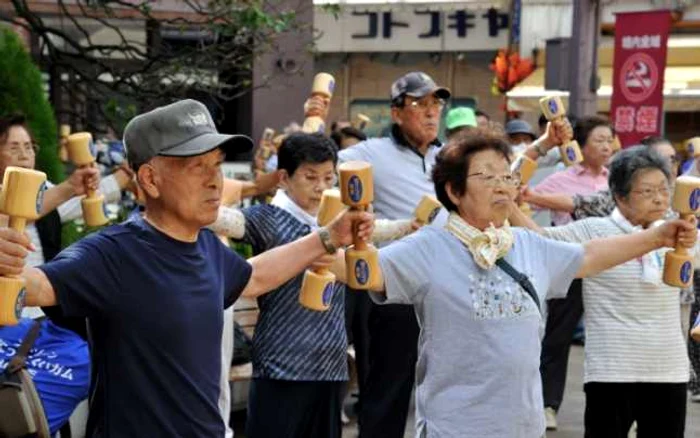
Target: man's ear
[396,115]
[148,179]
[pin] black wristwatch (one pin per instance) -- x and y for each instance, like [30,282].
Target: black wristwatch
[325,236]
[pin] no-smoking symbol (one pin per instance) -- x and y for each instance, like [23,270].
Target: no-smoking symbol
[639,77]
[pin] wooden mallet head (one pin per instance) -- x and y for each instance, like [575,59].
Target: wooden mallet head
[427,209]
[686,196]
[323,85]
[81,149]
[678,264]
[553,110]
[22,195]
[330,208]
[525,167]
[356,184]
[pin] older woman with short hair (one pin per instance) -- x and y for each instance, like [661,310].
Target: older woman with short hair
[636,366]
[478,367]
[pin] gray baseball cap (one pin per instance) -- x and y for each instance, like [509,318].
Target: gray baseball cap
[417,84]
[182,129]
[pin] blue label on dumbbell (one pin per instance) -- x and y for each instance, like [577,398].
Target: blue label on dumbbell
[570,153]
[327,294]
[553,107]
[40,197]
[355,188]
[19,304]
[331,86]
[361,271]
[433,214]
[694,199]
[686,271]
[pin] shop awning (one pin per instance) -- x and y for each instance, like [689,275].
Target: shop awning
[681,90]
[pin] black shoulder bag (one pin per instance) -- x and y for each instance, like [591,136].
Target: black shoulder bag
[22,413]
[521,279]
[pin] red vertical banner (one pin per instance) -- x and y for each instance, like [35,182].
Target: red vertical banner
[636,106]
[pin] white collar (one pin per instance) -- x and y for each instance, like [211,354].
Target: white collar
[651,261]
[283,201]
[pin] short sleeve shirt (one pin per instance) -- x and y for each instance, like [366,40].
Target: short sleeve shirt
[155,311]
[292,342]
[479,349]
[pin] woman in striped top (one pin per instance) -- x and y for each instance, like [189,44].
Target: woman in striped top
[636,365]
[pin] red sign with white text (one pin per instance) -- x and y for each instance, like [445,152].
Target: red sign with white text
[636,107]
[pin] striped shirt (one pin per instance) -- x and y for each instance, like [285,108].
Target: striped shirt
[290,341]
[633,329]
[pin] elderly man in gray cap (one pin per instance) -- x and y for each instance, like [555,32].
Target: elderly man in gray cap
[154,287]
[402,165]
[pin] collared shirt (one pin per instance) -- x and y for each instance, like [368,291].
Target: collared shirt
[576,180]
[633,328]
[402,175]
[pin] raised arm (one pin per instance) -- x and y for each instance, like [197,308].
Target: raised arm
[272,268]
[230,223]
[555,202]
[14,248]
[70,188]
[602,254]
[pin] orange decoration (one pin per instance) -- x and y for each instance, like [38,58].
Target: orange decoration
[510,69]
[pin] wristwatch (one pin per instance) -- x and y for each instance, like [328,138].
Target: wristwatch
[541,152]
[325,236]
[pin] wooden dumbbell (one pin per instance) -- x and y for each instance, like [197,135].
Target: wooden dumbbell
[82,154]
[21,198]
[323,86]
[426,210]
[525,167]
[678,265]
[357,192]
[317,286]
[553,109]
[265,146]
[360,122]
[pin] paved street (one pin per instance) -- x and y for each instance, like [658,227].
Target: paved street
[571,414]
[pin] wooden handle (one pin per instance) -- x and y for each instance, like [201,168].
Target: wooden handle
[18,223]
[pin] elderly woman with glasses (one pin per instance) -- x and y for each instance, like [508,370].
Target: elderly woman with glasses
[476,286]
[636,365]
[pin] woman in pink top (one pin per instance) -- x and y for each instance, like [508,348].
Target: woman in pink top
[595,136]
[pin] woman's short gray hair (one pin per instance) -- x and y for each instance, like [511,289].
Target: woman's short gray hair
[628,162]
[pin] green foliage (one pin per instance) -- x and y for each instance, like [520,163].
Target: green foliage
[21,91]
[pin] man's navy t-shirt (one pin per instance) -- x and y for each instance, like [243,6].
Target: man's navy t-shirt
[155,307]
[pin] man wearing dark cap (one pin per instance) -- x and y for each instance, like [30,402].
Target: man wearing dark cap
[154,287]
[402,165]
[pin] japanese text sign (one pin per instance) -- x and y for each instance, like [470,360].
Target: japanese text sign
[638,74]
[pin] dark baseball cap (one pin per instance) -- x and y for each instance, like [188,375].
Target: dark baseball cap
[182,129]
[417,84]
[517,126]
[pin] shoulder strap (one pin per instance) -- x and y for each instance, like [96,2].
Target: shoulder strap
[521,279]
[19,360]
